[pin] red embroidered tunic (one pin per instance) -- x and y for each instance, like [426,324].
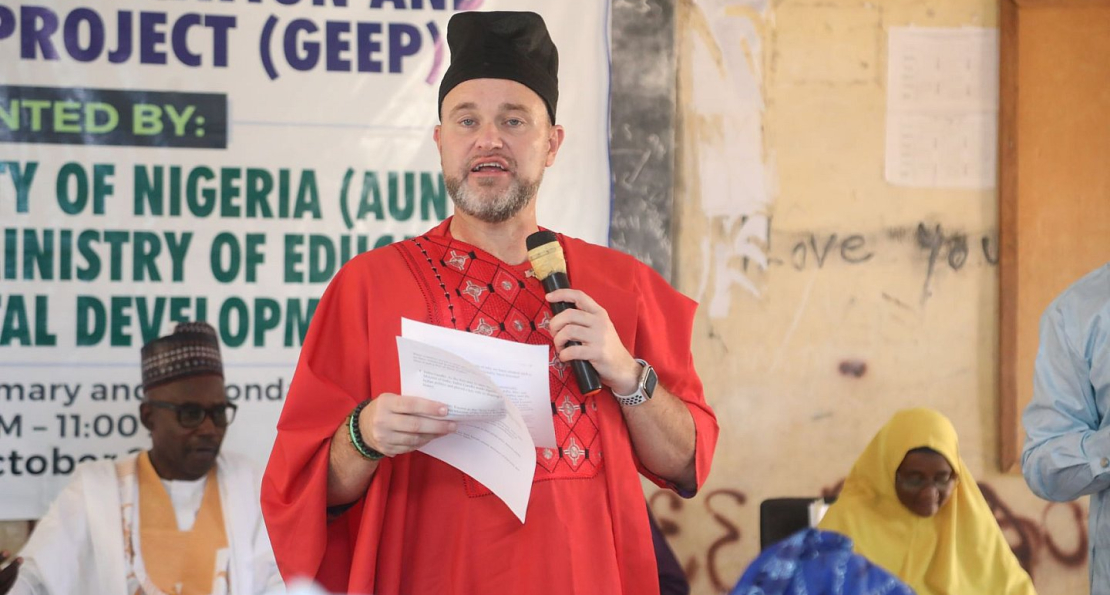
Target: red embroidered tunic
[424,527]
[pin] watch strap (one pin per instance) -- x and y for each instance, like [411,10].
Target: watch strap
[643,393]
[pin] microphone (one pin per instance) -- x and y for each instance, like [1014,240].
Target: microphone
[550,267]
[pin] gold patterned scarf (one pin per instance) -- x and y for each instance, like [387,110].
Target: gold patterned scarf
[180,562]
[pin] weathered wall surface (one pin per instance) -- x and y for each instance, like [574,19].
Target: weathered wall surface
[830,299]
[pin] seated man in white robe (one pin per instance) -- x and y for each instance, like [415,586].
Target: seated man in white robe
[178,519]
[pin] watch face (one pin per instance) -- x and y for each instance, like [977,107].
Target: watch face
[650,382]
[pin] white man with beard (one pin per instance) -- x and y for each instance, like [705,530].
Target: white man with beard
[180,518]
[347,497]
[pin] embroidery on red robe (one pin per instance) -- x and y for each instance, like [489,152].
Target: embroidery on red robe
[471,290]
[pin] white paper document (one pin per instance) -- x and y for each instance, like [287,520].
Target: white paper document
[942,107]
[497,391]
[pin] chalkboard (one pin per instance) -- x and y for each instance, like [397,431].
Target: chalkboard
[641,130]
[1054,177]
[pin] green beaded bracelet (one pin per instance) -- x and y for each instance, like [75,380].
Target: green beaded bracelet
[356,435]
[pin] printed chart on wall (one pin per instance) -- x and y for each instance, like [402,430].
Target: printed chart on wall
[219,161]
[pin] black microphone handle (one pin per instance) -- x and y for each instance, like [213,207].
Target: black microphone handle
[584,372]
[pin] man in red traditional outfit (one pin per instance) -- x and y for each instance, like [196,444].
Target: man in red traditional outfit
[347,498]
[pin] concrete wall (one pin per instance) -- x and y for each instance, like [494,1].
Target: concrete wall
[829,298]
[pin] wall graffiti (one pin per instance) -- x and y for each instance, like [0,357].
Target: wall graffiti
[929,244]
[939,246]
[1031,539]
[950,248]
[727,531]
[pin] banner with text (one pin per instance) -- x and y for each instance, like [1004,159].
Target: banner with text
[168,161]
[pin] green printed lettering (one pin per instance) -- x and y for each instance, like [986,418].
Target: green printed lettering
[222,273]
[283,193]
[43,336]
[11,238]
[201,308]
[347,250]
[175,191]
[67,116]
[148,190]
[296,322]
[36,107]
[115,241]
[10,241]
[16,325]
[255,256]
[308,197]
[121,319]
[102,188]
[433,194]
[242,317]
[259,185]
[229,191]
[92,259]
[94,110]
[22,181]
[147,249]
[371,199]
[70,204]
[199,207]
[38,255]
[150,322]
[293,258]
[146,119]
[179,309]
[321,258]
[10,116]
[179,120]
[178,248]
[267,316]
[65,255]
[398,211]
[91,321]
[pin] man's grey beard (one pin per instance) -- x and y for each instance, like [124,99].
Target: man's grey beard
[498,209]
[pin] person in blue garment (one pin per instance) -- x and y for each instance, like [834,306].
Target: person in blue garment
[816,562]
[1067,425]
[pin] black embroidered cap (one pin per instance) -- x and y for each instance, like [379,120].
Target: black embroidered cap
[192,350]
[502,45]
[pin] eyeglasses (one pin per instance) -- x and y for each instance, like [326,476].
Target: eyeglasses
[191,415]
[917,482]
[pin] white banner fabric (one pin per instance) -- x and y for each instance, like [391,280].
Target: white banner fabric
[189,159]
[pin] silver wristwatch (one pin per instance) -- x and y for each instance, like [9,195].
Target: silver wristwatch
[644,390]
